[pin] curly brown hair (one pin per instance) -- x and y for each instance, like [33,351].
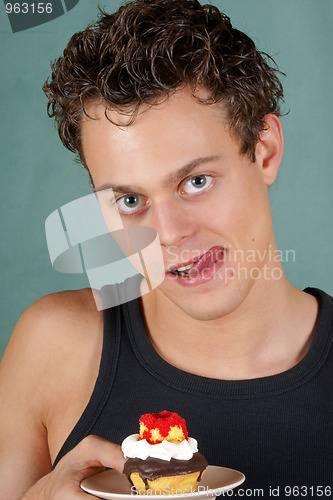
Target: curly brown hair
[149,49]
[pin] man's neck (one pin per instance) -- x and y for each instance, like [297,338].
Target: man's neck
[267,334]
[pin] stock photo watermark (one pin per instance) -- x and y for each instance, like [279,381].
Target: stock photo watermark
[272,491]
[170,490]
[24,15]
[238,264]
[124,262]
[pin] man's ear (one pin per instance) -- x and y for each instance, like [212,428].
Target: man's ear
[269,149]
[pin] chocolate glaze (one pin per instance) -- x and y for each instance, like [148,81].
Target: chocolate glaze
[153,468]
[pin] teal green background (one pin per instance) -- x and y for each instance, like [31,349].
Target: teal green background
[38,175]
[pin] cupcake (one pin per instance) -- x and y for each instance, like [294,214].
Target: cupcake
[162,459]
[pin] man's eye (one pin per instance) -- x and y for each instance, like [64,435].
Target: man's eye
[196,184]
[130,203]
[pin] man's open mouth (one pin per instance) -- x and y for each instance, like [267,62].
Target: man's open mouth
[207,260]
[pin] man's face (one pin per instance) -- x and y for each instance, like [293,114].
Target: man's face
[178,169]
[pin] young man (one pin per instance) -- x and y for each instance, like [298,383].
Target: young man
[177,112]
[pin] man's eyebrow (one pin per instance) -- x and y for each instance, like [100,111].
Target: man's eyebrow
[172,178]
[184,171]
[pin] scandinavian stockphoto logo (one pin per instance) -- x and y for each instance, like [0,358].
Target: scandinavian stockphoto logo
[88,236]
[24,15]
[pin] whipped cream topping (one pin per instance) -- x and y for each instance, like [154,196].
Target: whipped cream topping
[132,448]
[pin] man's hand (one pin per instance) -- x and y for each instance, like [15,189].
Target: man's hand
[90,456]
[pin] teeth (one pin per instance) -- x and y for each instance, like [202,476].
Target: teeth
[182,271]
[185,268]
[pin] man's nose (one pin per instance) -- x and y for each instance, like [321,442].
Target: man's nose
[173,222]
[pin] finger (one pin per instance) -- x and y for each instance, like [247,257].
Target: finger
[94,451]
[82,495]
[79,495]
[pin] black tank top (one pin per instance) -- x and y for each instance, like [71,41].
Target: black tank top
[277,430]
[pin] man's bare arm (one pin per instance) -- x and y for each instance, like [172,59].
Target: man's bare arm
[46,378]
[24,454]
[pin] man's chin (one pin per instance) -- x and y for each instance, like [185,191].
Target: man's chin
[207,303]
[200,308]
[200,315]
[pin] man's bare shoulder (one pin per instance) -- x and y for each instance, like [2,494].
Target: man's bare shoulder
[51,363]
[60,329]
[69,301]
[62,313]
[47,375]
[56,329]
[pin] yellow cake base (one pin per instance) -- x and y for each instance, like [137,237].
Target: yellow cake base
[166,485]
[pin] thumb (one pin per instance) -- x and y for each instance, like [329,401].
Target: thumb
[96,451]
